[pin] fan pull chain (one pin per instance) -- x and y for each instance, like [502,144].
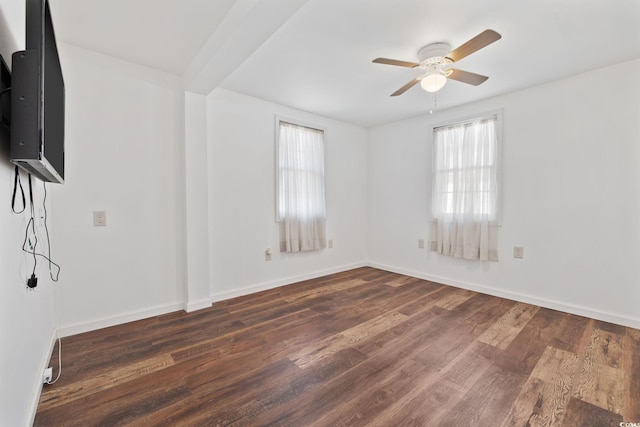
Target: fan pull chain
[435,103]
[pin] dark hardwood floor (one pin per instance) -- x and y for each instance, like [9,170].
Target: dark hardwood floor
[363,347]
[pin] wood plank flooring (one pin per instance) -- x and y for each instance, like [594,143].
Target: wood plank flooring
[362,347]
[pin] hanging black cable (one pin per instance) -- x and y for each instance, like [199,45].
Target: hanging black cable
[30,242]
[46,229]
[16,183]
[32,282]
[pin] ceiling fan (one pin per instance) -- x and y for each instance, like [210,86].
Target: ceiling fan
[435,58]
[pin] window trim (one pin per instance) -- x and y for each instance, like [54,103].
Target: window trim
[458,120]
[301,123]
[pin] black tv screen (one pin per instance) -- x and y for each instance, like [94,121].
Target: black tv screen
[37,99]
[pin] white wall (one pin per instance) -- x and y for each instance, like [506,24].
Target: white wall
[242,223]
[27,318]
[124,155]
[571,197]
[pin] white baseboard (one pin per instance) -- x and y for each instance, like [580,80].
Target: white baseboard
[192,306]
[205,303]
[516,296]
[68,330]
[93,325]
[37,391]
[221,296]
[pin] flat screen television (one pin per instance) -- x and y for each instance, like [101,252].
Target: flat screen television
[37,99]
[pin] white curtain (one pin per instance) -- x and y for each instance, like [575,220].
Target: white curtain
[464,220]
[301,204]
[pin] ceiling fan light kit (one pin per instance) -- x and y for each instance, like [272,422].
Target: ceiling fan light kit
[436,57]
[433,82]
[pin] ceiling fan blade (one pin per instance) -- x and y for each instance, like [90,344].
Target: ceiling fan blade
[483,39]
[406,87]
[395,62]
[467,77]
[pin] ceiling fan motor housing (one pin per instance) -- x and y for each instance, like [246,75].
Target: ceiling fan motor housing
[434,53]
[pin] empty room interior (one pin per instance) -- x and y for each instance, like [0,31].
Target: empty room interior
[322,212]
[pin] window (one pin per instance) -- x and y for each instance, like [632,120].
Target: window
[300,187]
[465,194]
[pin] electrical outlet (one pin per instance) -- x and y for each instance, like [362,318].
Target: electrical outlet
[518,252]
[267,254]
[420,243]
[47,375]
[330,243]
[99,219]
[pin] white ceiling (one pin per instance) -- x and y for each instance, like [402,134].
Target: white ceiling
[160,34]
[315,55]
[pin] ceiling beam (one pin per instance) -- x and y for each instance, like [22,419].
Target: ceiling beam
[246,27]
